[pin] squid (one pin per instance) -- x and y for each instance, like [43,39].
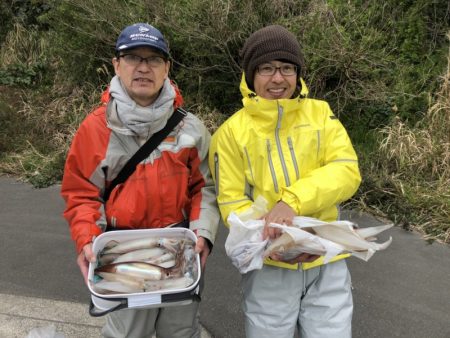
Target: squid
[114,247]
[343,235]
[140,255]
[140,270]
[145,264]
[351,238]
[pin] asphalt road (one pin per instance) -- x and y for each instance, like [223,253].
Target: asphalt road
[401,292]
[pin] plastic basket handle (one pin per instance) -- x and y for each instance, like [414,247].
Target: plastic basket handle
[94,313]
[176,297]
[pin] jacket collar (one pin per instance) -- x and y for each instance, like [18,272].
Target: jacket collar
[269,115]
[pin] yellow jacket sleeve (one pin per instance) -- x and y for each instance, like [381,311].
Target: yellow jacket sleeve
[229,180]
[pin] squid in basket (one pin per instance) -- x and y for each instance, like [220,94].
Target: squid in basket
[145,264]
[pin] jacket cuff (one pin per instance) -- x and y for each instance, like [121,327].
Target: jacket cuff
[84,239]
[81,242]
[206,234]
[291,200]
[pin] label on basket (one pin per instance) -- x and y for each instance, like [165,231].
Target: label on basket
[144,300]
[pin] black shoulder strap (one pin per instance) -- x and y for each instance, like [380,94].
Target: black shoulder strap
[145,150]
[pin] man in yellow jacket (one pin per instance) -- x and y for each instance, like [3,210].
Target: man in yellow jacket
[294,152]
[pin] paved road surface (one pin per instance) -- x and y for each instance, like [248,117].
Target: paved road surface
[401,292]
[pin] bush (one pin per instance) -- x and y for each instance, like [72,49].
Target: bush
[377,63]
[411,178]
[363,57]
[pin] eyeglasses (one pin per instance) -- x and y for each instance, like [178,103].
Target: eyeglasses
[135,60]
[286,69]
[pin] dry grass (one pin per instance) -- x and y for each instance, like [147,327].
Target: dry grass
[211,118]
[414,166]
[47,129]
[22,46]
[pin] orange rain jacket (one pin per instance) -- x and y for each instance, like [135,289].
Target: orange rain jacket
[172,185]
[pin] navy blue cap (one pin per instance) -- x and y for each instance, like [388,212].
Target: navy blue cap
[142,35]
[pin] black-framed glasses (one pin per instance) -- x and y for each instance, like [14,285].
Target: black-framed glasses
[286,69]
[135,60]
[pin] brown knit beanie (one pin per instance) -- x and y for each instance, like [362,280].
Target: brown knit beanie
[267,44]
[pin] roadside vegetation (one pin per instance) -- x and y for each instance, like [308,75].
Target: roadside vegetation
[382,66]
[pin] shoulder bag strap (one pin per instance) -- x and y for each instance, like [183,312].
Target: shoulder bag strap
[145,150]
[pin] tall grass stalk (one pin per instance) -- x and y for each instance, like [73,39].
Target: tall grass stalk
[413,169]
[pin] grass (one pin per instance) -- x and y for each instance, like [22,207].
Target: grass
[370,62]
[408,177]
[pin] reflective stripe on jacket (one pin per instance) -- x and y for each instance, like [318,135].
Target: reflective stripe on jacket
[294,150]
[172,185]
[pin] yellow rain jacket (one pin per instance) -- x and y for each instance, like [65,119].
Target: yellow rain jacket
[294,150]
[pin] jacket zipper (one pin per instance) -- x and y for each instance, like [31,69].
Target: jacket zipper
[294,160]
[272,170]
[216,172]
[280,150]
[249,164]
[318,143]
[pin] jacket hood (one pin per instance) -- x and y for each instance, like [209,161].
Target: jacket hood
[247,92]
[271,114]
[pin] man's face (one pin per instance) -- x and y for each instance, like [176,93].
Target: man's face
[276,86]
[142,79]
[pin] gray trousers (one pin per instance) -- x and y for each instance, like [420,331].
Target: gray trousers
[179,321]
[317,301]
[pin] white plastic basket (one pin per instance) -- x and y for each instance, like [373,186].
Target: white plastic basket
[102,304]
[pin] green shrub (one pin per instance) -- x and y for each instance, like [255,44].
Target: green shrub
[378,64]
[21,75]
[410,177]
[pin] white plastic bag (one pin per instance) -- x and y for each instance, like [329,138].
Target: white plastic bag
[247,249]
[244,244]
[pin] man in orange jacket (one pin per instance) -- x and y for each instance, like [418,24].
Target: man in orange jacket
[172,186]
